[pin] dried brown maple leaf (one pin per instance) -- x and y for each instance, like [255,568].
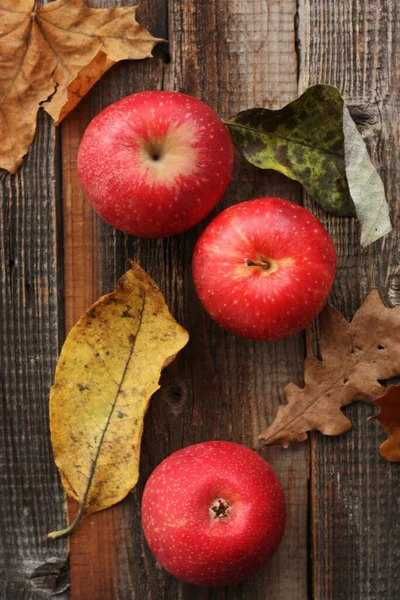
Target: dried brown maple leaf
[355,356]
[53,55]
[389,418]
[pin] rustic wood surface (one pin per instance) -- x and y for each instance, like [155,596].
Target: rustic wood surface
[56,257]
[355,493]
[31,326]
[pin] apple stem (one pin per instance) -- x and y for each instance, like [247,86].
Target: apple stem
[264,264]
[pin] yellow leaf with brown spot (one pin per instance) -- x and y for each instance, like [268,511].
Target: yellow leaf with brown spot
[53,55]
[108,369]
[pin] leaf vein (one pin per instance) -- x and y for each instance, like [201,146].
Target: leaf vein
[99,446]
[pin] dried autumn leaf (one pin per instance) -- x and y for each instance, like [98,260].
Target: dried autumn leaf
[365,185]
[54,54]
[355,356]
[389,418]
[108,369]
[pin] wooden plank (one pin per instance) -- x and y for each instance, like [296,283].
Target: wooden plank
[93,545]
[98,568]
[355,493]
[31,315]
[234,55]
[79,223]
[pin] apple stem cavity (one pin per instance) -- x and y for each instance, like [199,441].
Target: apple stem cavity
[220,509]
[264,264]
[155,152]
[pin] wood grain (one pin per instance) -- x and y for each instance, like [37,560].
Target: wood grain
[79,221]
[31,315]
[355,499]
[220,387]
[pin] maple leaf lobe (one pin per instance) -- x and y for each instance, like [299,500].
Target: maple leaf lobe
[52,55]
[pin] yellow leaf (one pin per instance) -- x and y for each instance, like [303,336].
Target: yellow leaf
[108,369]
[53,55]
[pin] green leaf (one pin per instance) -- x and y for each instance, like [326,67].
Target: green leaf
[315,141]
[365,184]
[303,140]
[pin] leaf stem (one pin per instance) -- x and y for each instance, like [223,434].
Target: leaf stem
[53,535]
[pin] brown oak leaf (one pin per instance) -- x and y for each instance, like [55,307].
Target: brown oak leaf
[389,418]
[53,55]
[355,356]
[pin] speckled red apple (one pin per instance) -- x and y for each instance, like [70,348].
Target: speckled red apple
[263,269]
[155,163]
[213,513]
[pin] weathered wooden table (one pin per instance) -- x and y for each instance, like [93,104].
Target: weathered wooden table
[342,538]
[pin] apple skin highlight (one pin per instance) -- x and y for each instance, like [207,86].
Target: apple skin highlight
[264,268]
[155,163]
[213,513]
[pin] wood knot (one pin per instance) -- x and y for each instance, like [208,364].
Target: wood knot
[393,290]
[367,118]
[175,394]
[52,576]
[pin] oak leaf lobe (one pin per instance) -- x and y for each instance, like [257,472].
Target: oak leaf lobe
[355,355]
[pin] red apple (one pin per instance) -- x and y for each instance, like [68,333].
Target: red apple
[155,163]
[264,268]
[213,513]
